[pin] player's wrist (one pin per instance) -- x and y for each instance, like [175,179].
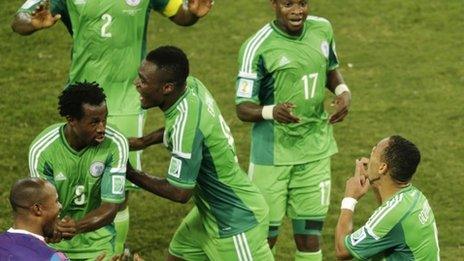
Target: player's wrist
[349,203]
[341,88]
[267,112]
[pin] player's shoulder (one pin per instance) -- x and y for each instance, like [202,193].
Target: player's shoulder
[317,22]
[116,138]
[391,213]
[257,38]
[48,135]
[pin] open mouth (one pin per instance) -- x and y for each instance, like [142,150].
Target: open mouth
[296,22]
[100,138]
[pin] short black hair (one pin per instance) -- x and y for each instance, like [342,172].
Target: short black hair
[26,192]
[402,157]
[173,62]
[76,94]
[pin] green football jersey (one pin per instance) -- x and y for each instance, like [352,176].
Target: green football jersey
[84,179]
[403,228]
[275,67]
[204,159]
[109,42]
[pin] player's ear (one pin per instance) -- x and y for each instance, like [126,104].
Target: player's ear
[69,119]
[168,88]
[383,168]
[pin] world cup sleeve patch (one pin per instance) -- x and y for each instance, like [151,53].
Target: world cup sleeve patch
[358,236]
[174,167]
[245,88]
[118,184]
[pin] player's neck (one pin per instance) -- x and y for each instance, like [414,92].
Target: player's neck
[390,188]
[32,226]
[73,141]
[173,99]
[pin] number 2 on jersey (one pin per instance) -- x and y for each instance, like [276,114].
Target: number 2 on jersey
[106,24]
[305,79]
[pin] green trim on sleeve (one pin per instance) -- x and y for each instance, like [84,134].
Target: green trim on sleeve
[180,184]
[112,200]
[352,252]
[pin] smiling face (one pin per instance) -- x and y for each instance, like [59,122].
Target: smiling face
[90,129]
[151,85]
[291,15]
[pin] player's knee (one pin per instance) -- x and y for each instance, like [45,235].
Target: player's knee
[307,234]
[272,236]
[307,243]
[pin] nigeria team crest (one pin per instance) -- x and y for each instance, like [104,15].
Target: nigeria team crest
[133,2]
[96,169]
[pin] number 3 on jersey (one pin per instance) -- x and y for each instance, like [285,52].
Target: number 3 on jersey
[106,24]
[79,195]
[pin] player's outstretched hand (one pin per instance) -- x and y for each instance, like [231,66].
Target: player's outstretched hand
[356,187]
[42,17]
[200,8]
[283,113]
[341,103]
[67,227]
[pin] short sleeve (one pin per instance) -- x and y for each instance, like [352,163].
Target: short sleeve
[382,231]
[333,58]
[187,145]
[251,73]
[114,175]
[166,7]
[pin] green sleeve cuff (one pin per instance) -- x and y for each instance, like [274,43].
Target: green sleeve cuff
[181,184]
[112,200]
[352,252]
[242,100]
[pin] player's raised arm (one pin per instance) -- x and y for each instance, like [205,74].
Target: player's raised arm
[190,12]
[33,16]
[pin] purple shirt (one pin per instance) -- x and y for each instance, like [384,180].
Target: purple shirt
[18,245]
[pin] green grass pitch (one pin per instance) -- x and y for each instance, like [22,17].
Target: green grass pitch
[403,61]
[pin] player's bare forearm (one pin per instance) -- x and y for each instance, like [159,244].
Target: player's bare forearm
[334,78]
[22,24]
[249,112]
[344,227]
[97,218]
[152,138]
[158,186]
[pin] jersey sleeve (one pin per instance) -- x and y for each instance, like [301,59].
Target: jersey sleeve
[382,231]
[333,58]
[114,175]
[40,163]
[251,73]
[166,7]
[187,147]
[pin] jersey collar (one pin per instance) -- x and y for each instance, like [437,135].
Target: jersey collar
[174,106]
[22,231]
[286,35]
[66,144]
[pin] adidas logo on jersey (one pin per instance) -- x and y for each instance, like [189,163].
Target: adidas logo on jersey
[60,177]
[284,61]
